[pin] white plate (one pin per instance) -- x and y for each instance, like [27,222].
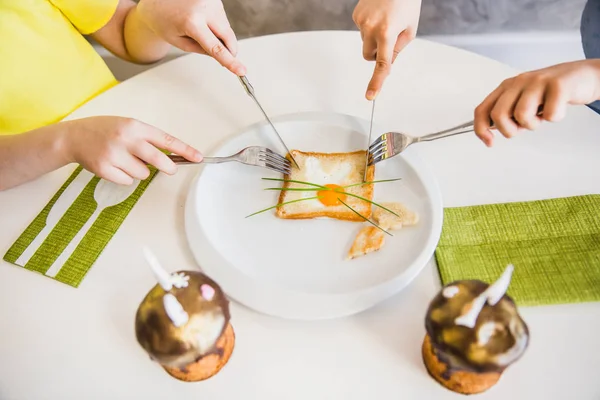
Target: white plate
[297,269]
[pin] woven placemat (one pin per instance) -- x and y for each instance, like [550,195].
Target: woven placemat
[553,244]
[78,213]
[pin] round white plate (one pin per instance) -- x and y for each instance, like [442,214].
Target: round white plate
[297,268]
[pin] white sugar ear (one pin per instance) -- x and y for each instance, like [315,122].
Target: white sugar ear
[175,310]
[469,319]
[491,295]
[500,287]
[162,276]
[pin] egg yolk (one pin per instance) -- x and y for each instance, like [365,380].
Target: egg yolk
[332,195]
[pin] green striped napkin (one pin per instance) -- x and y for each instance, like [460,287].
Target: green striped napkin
[41,249]
[553,244]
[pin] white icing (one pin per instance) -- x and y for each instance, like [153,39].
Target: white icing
[450,291]
[162,276]
[485,333]
[179,280]
[521,339]
[491,295]
[175,310]
[165,280]
[205,329]
[469,319]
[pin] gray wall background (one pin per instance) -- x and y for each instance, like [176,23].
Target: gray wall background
[438,17]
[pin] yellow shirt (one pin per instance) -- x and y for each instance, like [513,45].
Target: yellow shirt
[47,67]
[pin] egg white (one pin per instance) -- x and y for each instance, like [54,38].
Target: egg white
[333,173]
[319,173]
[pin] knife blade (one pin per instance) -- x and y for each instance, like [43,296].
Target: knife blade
[367,157]
[250,90]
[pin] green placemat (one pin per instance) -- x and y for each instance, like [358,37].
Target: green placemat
[85,254]
[553,244]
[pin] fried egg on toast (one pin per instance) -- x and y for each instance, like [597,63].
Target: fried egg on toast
[335,172]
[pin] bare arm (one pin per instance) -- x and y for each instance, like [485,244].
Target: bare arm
[29,155]
[129,38]
[514,105]
[114,148]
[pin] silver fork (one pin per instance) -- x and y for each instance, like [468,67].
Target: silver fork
[393,143]
[253,155]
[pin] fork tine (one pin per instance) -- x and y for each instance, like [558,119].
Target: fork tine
[379,152]
[379,146]
[283,164]
[271,152]
[379,140]
[267,160]
[276,168]
[275,157]
[375,160]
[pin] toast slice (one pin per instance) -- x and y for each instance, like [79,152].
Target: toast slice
[335,169]
[368,240]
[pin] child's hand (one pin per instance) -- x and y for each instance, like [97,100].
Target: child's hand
[513,106]
[386,27]
[118,149]
[199,26]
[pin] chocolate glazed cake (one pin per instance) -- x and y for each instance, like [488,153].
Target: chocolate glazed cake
[474,332]
[183,323]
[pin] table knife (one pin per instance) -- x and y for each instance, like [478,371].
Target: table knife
[367,155]
[250,90]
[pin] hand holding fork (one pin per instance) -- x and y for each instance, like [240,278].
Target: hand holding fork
[255,155]
[391,144]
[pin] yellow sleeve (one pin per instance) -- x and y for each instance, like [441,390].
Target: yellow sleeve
[88,16]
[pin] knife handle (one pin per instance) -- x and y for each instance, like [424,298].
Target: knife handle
[246,84]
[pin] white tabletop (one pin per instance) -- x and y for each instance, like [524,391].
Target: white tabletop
[57,342]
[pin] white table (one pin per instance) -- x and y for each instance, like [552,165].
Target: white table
[57,342]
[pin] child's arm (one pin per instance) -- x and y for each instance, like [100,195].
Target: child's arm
[114,148]
[514,104]
[141,33]
[29,155]
[128,37]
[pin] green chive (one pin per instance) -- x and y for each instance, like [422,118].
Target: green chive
[282,204]
[368,183]
[366,219]
[293,181]
[297,189]
[369,201]
[327,188]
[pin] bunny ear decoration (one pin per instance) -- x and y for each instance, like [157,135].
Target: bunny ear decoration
[162,276]
[175,310]
[172,306]
[491,295]
[500,287]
